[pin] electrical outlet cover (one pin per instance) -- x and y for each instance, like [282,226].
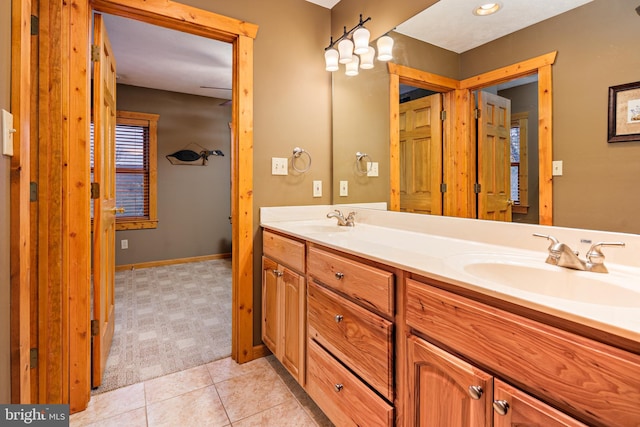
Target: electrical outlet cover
[317,188]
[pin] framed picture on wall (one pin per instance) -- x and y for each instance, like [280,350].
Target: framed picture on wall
[624,113]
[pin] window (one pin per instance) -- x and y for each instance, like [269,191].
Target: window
[519,170]
[136,169]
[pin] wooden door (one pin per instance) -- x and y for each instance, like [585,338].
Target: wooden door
[294,310]
[270,296]
[440,393]
[520,409]
[494,157]
[104,119]
[421,155]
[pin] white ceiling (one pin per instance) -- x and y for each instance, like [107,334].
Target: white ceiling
[451,24]
[154,57]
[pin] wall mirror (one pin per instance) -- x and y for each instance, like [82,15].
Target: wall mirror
[362,113]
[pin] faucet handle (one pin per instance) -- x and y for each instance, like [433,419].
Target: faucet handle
[595,255]
[554,241]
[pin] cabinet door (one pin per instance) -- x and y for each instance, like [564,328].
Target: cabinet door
[293,339]
[270,313]
[515,408]
[444,390]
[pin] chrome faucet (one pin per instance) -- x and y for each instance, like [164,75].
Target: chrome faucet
[349,221]
[562,255]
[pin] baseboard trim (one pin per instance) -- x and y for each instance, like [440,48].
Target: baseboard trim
[171,261]
[260,351]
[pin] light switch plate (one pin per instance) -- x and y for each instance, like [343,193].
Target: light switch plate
[556,168]
[317,188]
[279,166]
[372,168]
[344,188]
[7,133]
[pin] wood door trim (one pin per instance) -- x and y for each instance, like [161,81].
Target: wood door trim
[20,234]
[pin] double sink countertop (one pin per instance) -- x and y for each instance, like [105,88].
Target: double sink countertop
[497,259]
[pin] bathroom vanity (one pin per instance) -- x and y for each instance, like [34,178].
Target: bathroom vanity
[424,321]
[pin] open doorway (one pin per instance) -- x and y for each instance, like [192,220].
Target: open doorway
[173,238]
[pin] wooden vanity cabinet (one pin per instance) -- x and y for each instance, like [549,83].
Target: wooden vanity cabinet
[446,390]
[440,386]
[547,376]
[350,339]
[284,302]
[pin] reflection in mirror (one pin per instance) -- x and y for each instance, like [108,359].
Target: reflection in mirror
[593,55]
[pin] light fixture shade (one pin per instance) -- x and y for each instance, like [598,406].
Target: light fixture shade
[331,59]
[366,59]
[361,40]
[352,67]
[385,48]
[345,47]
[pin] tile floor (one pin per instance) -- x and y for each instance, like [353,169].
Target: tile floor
[221,393]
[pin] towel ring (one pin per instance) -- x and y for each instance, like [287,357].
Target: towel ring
[359,157]
[297,153]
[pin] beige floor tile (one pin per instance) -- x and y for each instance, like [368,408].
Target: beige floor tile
[109,404]
[135,418]
[252,393]
[227,368]
[287,414]
[200,408]
[173,385]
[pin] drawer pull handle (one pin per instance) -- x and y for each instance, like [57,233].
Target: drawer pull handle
[278,273]
[339,318]
[475,391]
[339,275]
[501,406]
[338,387]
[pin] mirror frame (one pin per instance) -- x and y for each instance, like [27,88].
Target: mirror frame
[458,142]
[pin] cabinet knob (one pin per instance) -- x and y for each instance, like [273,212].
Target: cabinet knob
[338,387]
[278,273]
[339,275]
[475,391]
[339,318]
[501,406]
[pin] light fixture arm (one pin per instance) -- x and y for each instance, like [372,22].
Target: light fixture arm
[347,33]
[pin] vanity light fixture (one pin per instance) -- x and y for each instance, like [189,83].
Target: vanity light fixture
[487,9]
[354,51]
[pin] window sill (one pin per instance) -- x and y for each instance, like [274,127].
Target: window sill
[520,209]
[134,224]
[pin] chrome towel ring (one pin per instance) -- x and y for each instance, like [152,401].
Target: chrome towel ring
[297,153]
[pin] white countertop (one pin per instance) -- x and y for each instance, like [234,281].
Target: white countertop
[440,247]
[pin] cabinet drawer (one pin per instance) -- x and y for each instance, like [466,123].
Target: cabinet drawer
[287,251]
[587,379]
[342,397]
[358,337]
[370,286]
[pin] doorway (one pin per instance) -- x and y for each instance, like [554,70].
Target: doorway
[172,302]
[64,369]
[460,171]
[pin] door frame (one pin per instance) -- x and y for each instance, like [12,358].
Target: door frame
[459,200]
[68,45]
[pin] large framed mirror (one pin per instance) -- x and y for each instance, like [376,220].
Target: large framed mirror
[594,51]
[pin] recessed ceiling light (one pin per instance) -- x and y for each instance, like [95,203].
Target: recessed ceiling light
[487,9]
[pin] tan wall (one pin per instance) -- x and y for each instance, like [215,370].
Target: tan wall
[597,48]
[5,73]
[194,202]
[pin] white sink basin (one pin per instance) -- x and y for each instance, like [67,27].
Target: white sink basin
[534,276]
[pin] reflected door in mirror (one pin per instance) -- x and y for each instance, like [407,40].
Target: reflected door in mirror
[421,155]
